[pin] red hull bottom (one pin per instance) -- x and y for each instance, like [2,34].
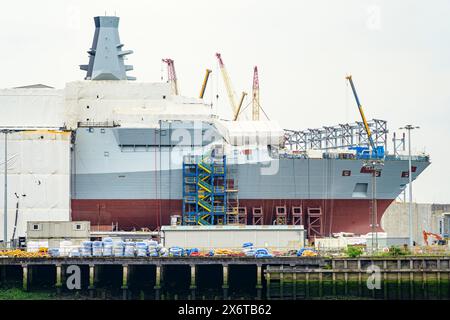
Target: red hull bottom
[337,215]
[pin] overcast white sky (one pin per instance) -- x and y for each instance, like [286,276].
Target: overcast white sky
[397,51]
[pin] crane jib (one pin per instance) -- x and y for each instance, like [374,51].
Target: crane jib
[366,126]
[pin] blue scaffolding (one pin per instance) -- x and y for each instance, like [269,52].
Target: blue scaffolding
[204,190]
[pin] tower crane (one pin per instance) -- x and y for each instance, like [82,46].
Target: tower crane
[227,81]
[255,101]
[205,82]
[171,75]
[363,117]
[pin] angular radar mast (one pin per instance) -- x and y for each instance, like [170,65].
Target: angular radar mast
[106,57]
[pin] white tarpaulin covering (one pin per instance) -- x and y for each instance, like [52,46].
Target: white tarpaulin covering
[38,164]
[32,108]
[130,104]
[240,133]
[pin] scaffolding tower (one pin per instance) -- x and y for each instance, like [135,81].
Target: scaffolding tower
[204,190]
[232,191]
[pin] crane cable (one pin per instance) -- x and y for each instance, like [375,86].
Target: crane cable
[346,102]
[259,107]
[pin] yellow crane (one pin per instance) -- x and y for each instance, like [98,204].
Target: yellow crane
[205,81]
[236,115]
[363,117]
[227,81]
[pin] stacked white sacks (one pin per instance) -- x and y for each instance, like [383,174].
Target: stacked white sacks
[97,248]
[33,246]
[164,252]
[129,249]
[176,251]
[53,252]
[65,247]
[118,248]
[107,247]
[75,252]
[141,249]
[248,249]
[86,249]
[153,248]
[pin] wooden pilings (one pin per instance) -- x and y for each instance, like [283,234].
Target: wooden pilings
[125,271]
[225,280]
[91,286]
[193,285]
[258,282]
[157,286]
[58,283]
[25,277]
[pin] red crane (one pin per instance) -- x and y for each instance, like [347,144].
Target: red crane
[171,75]
[256,106]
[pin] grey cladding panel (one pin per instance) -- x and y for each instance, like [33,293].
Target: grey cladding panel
[160,137]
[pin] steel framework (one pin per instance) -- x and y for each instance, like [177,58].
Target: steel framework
[335,137]
[204,190]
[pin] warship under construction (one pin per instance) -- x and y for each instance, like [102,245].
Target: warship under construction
[139,155]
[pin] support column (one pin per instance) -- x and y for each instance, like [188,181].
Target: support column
[411,279]
[193,286]
[157,286]
[425,284]
[439,284]
[334,282]
[258,282]
[294,288]
[307,285]
[91,287]
[346,283]
[25,277]
[281,285]
[3,275]
[360,291]
[124,282]
[320,283]
[58,284]
[411,285]
[225,281]
[359,278]
[385,281]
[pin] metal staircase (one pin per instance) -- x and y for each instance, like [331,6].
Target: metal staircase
[204,190]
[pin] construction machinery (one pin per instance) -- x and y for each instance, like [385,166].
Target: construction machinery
[171,75]
[255,101]
[205,82]
[240,106]
[436,236]
[363,117]
[228,86]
